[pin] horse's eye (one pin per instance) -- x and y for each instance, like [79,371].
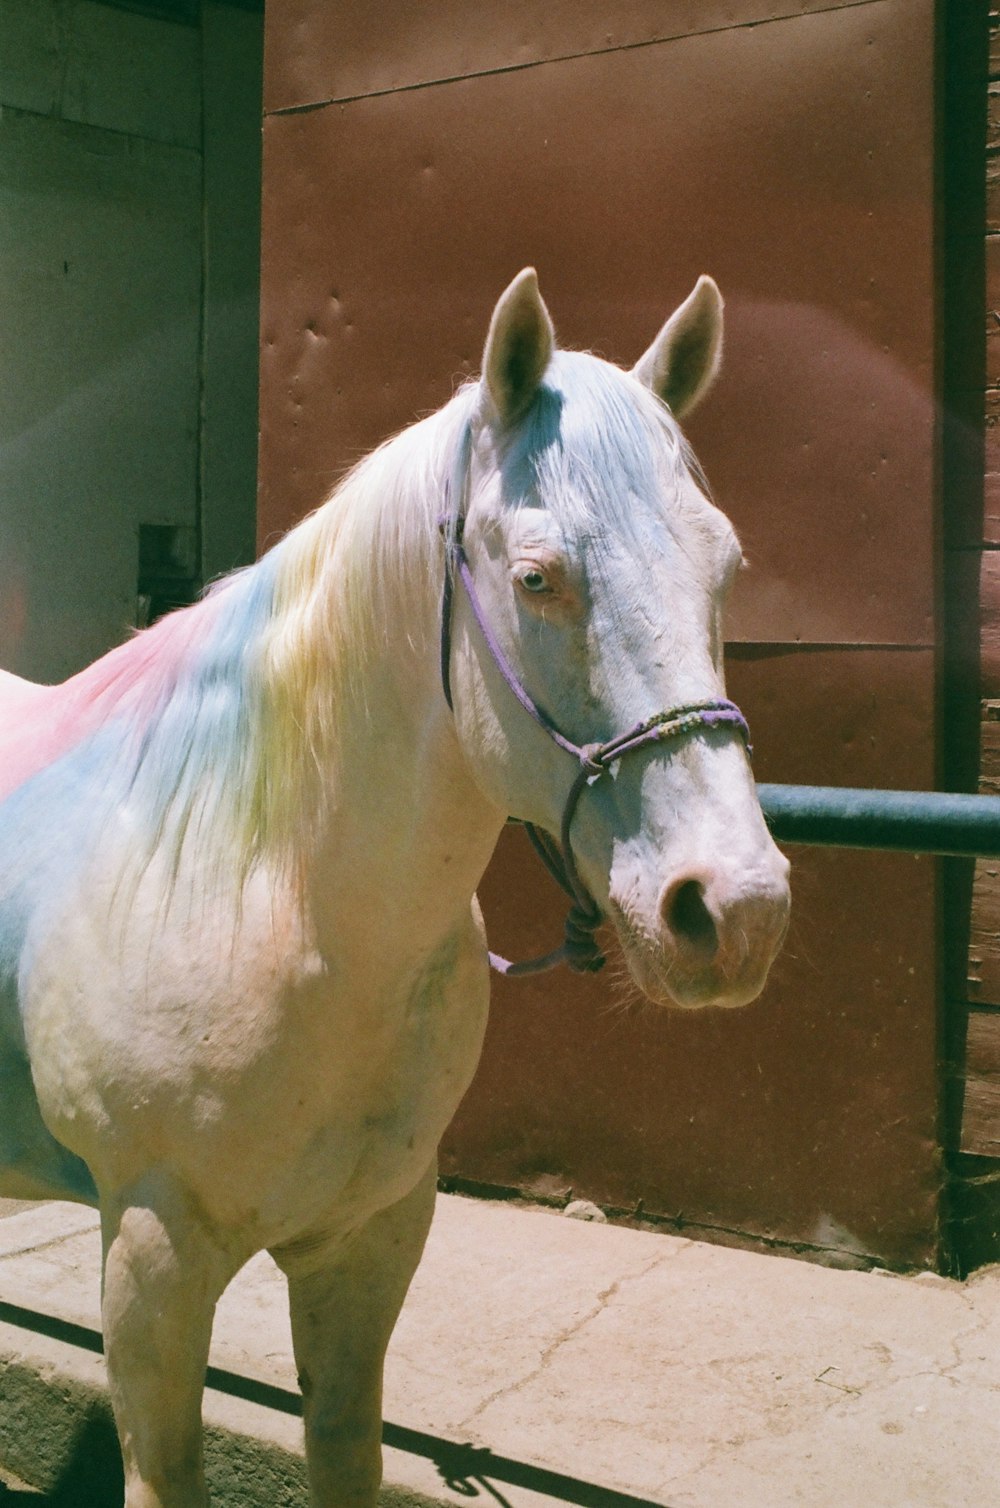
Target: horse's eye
[533,580]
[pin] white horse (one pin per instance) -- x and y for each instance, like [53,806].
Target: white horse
[243,978]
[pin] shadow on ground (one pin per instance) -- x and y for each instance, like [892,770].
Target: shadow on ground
[91,1478]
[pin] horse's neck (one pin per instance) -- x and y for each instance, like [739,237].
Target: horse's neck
[408,833]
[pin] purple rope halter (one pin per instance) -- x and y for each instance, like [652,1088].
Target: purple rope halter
[580,949]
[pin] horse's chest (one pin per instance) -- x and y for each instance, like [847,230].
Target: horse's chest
[408,1098]
[355,1115]
[276,1081]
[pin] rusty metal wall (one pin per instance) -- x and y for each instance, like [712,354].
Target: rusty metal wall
[415,158]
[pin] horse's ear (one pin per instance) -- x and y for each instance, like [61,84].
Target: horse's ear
[681,364]
[518,348]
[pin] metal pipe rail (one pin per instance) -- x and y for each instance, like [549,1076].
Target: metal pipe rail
[928,822]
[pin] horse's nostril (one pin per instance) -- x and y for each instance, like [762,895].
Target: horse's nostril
[688,917]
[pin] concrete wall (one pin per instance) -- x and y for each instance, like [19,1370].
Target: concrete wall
[127,296]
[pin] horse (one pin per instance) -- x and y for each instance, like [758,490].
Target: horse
[243,973]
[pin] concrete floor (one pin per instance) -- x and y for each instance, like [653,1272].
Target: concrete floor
[542,1358]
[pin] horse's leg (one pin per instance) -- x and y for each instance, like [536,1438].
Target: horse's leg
[344,1303]
[163,1274]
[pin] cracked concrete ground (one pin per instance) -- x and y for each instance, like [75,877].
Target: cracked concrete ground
[569,1356]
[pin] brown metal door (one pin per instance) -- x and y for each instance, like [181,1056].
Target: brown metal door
[416,156]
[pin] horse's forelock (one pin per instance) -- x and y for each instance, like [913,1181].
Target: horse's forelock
[594,445]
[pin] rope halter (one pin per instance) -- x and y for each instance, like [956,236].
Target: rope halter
[580,949]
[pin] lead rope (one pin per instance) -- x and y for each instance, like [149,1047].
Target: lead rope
[580,949]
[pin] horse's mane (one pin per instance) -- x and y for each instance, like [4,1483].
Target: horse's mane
[220,720]
[368,559]
[228,710]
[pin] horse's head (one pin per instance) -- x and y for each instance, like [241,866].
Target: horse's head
[602,568]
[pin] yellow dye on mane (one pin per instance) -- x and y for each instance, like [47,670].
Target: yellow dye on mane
[367,561]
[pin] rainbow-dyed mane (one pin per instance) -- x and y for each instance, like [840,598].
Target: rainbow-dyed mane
[224,714]
[243,979]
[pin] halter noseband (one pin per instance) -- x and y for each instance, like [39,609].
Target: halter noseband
[580,949]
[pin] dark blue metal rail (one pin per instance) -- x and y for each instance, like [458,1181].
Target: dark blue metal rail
[930,822]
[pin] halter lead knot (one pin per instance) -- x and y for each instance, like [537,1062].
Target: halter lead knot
[592,759]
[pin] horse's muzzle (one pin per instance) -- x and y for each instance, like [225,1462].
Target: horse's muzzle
[714,936]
